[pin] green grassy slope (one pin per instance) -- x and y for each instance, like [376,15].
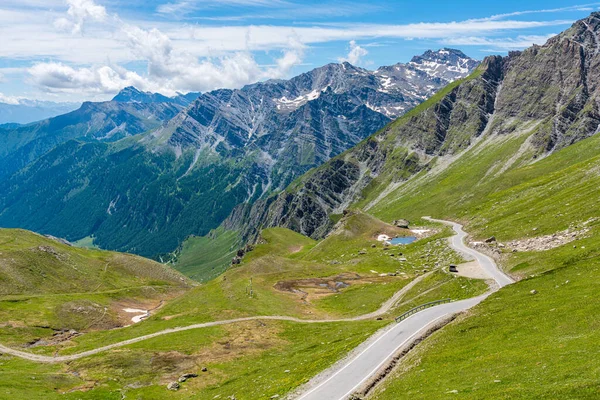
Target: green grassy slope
[204,258]
[257,359]
[47,287]
[33,264]
[515,344]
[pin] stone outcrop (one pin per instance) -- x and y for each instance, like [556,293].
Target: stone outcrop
[554,87]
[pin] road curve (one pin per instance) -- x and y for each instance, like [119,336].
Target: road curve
[487,263]
[341,381]
[379,349]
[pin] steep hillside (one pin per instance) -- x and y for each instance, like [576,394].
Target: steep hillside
[545,96]
[542,329]
[147,193]
[512,152]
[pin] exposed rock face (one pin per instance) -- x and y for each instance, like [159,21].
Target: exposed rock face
[446,64]
[554,87]
[228,147]
[401,223]
[293,125]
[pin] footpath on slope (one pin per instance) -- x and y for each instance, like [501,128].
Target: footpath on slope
[500,278]
[385,307]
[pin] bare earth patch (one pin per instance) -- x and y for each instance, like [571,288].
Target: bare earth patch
[295,249]
[472,270]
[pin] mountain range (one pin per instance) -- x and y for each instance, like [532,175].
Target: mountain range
[142,172]
[546,95]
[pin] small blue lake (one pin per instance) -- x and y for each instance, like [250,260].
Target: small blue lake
[403,240]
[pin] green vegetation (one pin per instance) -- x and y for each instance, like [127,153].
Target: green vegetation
[86,243]
[204,258]
[47,287]
[441,285]
[515,344]
[275,356]
[33,265]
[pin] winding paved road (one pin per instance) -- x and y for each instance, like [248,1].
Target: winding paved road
[487,263]
[342,380]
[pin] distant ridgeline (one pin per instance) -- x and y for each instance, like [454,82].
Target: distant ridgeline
[144,171]
[511,112]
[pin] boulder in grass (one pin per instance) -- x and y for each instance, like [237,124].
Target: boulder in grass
[401,223]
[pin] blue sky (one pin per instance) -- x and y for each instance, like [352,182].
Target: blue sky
[73,50]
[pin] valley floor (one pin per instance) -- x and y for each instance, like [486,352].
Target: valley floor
[269,351]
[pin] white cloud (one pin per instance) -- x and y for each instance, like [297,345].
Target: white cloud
[78,13]
[29,35]
[182,7]
[500,44]
[199,57]
[355,54]
[58,77]
[170,69]
[581,7]
[9,99]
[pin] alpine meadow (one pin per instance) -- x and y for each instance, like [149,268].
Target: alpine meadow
[292,200]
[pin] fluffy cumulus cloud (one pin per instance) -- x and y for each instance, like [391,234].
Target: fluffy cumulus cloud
[58,77]
[182,57]
[8,99]
[170,68]
[355,54]
[78,13]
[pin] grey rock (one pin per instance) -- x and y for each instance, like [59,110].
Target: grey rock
[401,223]
[185,377]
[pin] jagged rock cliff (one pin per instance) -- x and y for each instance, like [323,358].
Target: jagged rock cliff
[147,193]
[553,88]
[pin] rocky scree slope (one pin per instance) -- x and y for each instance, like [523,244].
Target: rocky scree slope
[147,193]
[551,90]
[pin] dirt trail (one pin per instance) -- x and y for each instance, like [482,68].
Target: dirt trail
[385,308]
[456,242]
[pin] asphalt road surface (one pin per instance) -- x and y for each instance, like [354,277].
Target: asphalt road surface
[342,381]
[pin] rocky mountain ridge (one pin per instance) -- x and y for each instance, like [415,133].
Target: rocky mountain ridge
[549,92]
[146,191]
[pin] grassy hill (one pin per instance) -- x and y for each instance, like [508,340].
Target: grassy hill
[289,274]
[34,264]
[515,344]
[48,288]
